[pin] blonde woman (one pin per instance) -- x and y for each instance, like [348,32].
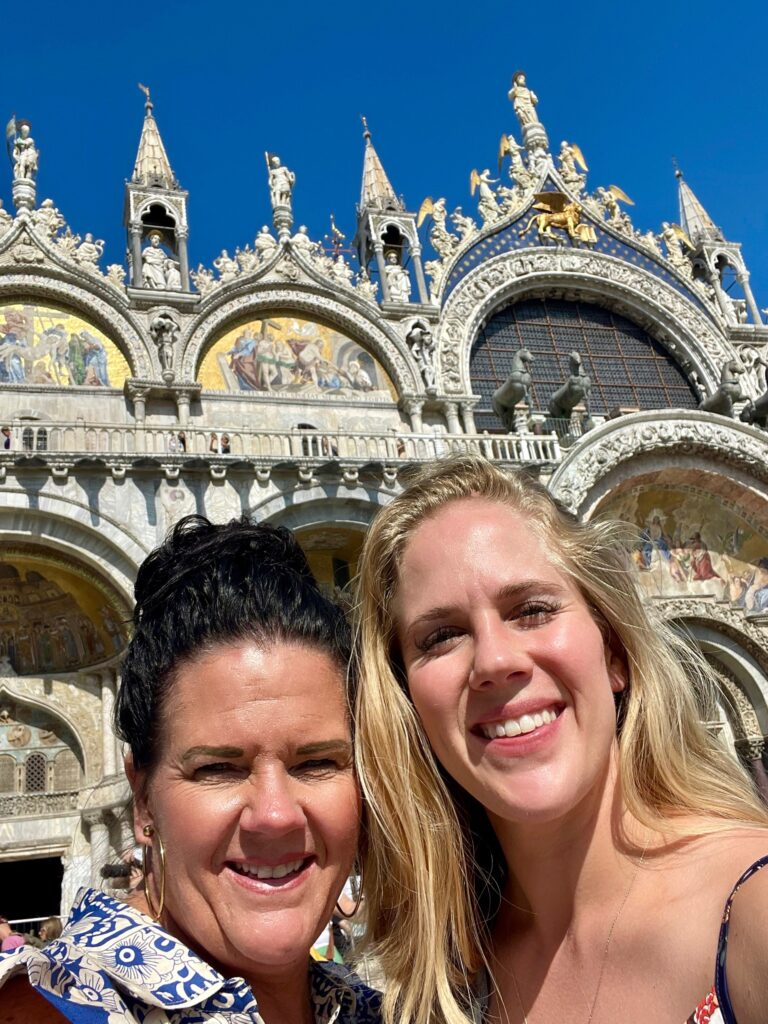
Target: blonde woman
[553,833]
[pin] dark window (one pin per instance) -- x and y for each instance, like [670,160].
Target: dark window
[628,368]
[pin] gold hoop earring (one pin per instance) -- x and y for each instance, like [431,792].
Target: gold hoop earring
[359,900]
[149,831]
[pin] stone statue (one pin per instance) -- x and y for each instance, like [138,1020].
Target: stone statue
[756,412]
[570,155]
[68,243]
[25,155]
[226,266]
[47,217]
[423,348]
[517,169]
[265,245]
[574,392]
[443,242]
[341,272]
[153,258]
[487,204]
[164,331]
[203,280]
[5,219]
[365,286]
[172,275]
[281,181]
[464,225]
[302,243]
[675,240]
[524,101]
[89,252]
[435,271]
[398,281]
[728,391]
[247,259]
[515,389]
[116,274]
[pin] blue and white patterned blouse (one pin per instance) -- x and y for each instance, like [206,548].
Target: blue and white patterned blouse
[113,965]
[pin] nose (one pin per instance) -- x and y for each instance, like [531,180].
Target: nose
[500,654]
[271,805]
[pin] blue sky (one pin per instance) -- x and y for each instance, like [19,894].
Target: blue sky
[634,85]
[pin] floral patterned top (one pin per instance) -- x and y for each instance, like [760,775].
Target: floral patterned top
[716,1007]
[113,965]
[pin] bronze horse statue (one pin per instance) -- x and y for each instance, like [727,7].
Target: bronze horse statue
[728,391]
[515,389]
[575,390]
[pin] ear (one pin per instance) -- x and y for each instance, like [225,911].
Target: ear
[138,781]
[617,670]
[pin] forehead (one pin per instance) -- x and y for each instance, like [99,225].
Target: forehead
[249,688]
[470,543]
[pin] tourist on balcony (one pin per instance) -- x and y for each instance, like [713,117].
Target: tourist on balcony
[553,833]
[225,445]
[7,435]
[235,711]
[181,437]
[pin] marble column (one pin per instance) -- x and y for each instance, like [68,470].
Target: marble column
[451,411]
[108,760]
[99,839]
[181,238]
[379,251]
[468,417]
[754,312]
[137,279]
[413,407]
[421,284]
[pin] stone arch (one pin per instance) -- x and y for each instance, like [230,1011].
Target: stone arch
[98,303]
[13,689]
[322,505]
[351,317]
[692,338]
[644,442]
[106,549]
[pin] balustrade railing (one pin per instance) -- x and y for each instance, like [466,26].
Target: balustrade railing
[82,439]
[25,805]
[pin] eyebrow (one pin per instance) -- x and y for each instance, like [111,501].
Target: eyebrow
[511,591]
[212,752]
[324,746]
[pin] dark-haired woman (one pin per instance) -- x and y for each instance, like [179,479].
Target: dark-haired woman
[234,710]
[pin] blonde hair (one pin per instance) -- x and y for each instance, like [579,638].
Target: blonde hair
[430,859]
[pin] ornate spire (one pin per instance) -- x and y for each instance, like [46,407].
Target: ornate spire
[377,191]
[694,219]
[152,165]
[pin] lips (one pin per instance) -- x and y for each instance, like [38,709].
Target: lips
[257,876]
[523,721]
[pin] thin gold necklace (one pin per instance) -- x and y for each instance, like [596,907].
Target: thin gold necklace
[604,959]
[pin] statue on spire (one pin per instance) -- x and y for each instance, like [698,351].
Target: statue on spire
[524,100]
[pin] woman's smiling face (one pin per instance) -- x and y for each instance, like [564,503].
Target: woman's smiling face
[506,666]
[255,800]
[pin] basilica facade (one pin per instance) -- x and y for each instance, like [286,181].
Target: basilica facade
[298,382]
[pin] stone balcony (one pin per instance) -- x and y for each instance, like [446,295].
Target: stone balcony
[28,805]
[65,444]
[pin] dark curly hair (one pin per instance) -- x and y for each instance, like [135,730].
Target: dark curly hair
[209,584]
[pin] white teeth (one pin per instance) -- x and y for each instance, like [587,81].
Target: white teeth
[518,726]
[263,871]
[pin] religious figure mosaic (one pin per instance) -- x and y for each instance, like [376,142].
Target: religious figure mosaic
[690,544]
[45,345]
[53,622]
[294,356]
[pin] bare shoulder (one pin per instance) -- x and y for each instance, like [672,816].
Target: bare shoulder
[20,1004]
[747,951]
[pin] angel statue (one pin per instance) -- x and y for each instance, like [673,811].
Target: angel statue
[677,243]
[508,144]
[443,242]
[570,155]
[557,210]
[488,204]
[609,199]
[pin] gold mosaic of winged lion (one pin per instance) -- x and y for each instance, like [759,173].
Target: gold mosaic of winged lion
[558,210]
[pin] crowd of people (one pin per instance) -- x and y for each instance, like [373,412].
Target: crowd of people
[511,757]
